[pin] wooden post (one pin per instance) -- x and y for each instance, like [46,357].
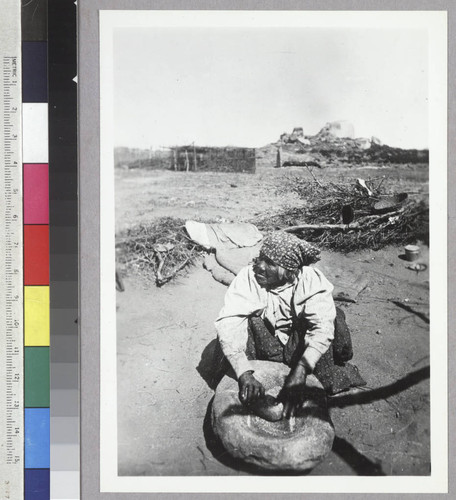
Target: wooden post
[279,157]
[187,162]
[174,159]
[194,157]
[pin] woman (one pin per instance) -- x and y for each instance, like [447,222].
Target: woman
[281,309]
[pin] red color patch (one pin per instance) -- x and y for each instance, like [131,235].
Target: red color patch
[36,255]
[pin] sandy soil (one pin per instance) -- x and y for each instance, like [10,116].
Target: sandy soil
[165,336]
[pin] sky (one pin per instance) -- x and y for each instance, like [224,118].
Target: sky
[246,86]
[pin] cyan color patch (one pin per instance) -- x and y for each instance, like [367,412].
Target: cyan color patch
[37,484]
[37,438]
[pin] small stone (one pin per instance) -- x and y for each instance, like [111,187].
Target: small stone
[268,408]
[378,332]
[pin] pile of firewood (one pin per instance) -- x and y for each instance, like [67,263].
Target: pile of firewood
[159,250]
[322,219]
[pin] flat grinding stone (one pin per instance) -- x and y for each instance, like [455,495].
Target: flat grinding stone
[298,444]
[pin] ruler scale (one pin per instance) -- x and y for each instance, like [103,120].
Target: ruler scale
[11,238]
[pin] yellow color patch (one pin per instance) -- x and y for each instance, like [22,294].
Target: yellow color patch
[36,315]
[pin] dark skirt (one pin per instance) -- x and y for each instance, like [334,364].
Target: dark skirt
[332,370]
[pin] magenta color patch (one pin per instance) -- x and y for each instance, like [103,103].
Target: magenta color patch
[36,193]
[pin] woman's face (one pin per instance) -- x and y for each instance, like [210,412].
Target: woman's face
[267,274]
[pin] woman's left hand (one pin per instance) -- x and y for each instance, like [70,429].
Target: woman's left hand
[293,391]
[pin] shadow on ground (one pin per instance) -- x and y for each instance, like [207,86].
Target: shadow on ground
[213,364]
[372,395]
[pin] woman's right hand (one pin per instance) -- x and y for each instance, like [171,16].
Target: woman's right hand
[249,388]
[294,390]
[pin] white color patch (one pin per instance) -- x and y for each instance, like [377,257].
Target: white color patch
[35,146]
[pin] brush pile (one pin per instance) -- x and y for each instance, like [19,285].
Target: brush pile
[339,216]
[404,223]
[159,250]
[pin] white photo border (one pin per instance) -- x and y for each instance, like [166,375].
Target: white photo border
[436,24]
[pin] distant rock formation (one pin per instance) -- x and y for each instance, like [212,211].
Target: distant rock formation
[341,129]
[297,136]
[363,143]
[336,144]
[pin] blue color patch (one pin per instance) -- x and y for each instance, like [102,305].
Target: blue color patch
[37,484]
[37,438]
[34,72]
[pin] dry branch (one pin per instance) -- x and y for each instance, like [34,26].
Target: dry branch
[340,227]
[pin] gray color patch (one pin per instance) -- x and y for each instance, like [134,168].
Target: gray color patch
[65,457]
[64,375]
[64,403]
[63,239]
[64,267]
[63,294]
[64,321]
[64,430]
[64,349]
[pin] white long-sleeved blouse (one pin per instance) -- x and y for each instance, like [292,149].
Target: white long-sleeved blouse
[309,297]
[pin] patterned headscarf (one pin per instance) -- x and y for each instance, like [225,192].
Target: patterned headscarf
[288,251]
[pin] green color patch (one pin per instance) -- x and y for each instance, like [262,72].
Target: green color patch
[36,384]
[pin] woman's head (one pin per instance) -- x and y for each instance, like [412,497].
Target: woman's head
[270,275]
[282,255]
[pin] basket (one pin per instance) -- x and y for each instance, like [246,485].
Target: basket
[389,203]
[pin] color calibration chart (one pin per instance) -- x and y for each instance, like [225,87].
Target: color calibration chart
[39,445]
[35,159]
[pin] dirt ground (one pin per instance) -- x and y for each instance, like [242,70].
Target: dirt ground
[165,337]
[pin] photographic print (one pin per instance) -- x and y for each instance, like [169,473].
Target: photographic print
[270,182]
